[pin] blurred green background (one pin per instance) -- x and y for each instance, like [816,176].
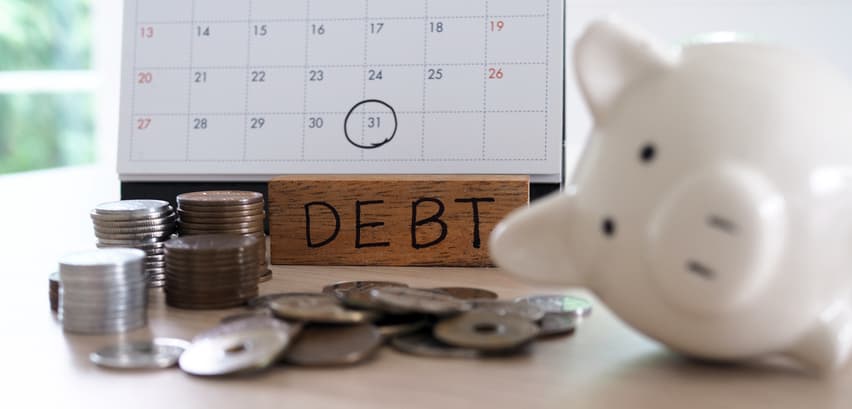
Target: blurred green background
[45,129]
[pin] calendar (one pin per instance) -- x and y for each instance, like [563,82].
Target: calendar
[246,90]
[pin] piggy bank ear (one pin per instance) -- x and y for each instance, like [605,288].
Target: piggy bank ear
[611,56]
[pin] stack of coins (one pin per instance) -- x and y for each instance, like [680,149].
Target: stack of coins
[53,291]
[225,212]
[211,271]
[103,291]
[141,224]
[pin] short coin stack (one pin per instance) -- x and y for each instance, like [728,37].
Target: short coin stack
[103,291]
[140,224]
[211,271]
[226,212]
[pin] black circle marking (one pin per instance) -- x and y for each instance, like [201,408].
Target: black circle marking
[373,145]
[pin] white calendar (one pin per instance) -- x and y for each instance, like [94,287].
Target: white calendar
[249,89]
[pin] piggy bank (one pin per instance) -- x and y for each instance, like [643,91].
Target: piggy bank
[712,207]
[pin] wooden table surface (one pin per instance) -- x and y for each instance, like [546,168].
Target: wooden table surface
[604,365]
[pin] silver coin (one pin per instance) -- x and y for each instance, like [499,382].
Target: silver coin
[153,248]
[397,300]
[342,288]
[154,235]
[99,259]
[318,308]
[240,346]
[557,324]
[423,343]
[527,311]
[486,331]
[155,354]
[333,345]
[157,229]
[559,304]
[132,206]
[98,329]
[142,243]
[167,220]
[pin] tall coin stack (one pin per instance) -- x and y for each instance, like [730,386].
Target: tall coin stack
[103,291]
[212,271]
[225,212]
[140,224]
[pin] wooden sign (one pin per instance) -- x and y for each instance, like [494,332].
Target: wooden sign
[387,220]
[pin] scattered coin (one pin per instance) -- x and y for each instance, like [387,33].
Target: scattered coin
[317,308]
[262,301]
[142,224]
[247,315]
[486,330]
[394,325]
[405,300]
[423,343]
[334,345]
[524,310]
[357,293]
[467,293]
[154,354]
[237,347]
[556,324]
[559,304]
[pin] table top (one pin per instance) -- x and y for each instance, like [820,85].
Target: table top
[604,365]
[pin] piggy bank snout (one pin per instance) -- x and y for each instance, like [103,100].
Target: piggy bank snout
[538,242]
[714,242]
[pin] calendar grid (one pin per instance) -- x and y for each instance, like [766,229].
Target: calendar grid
[485,84]
[306,71]
[189,86]
[546,79]
[364,72]
[300,66]
[423,79]
[339,19]
[132,123]
[285,113]
[447,106]
[248,82]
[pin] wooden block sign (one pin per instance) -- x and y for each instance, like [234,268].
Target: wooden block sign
[387,220]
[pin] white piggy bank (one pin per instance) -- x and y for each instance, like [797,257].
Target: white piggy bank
[712,208]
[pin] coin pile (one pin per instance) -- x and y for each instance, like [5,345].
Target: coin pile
[140,224]
[348,322]
[103,291]
[225,212]
[53,291]
[211,271]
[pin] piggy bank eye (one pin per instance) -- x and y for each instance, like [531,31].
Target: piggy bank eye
[648,153]
[608,227]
